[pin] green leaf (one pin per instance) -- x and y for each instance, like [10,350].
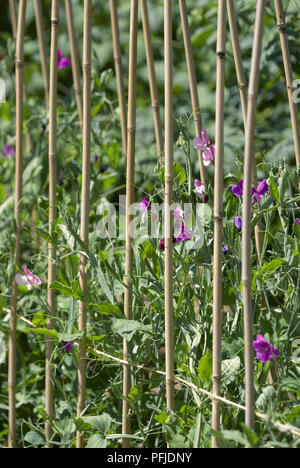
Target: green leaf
[34,438]
[230,369]
[106,308]
[126,328]
[179,174]
[205,367]
[70,291]
[97,441]
[102,423]
[2,192]
[274,188]
[269,269]
[43,331]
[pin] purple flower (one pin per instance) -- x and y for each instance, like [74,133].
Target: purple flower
[298,221]
[237,190]
[264,350]
[8,150]
[145,205]
[62,62]
[203,144]
[184,234]
[238,222]
[178,213]
[262,189]
[67,346]
[162,243]
[225,249]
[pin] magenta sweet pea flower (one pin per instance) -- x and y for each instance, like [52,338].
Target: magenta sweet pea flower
[162,243]
[62,62]
[262,189]
[178,213]
[8,150]
[264,350]
[184,234]
[29,279]
[209,155]
[237,190]
[238,222]
[145,205]
[201,190]
[298,221]
[203,144]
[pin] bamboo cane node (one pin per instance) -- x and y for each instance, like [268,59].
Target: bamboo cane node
[221,54]
[170,381]
[252,96]
[169,179]
[218,218]
[246,282]
[282,27]
[242,85]
[117,58]
[86,66]
[19,63]
[155,104]
[131,129]
[54,22]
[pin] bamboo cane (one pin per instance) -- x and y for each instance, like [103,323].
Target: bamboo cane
[13,16]
[14,20]
[288,76]
[247,203]
[85,205]
[129,202]
[192,80]
[49,388]
[152,80]
[19,62]
[169,331]
[242,84]
[74,59]
[119,70]
[41,40]
[218,217]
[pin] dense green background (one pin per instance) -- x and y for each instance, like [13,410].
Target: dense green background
[273,130]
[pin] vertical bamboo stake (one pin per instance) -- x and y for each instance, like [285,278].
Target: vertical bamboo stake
[169,331]
[247,204]
[119,71]
[288,76]
[192,80]
[13,16]
[19,61]
[49,388]
[152,80]
[243,93]
[129,202]
[85,204]
[74,59]
[218,217]
[42,45]
[14,20]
